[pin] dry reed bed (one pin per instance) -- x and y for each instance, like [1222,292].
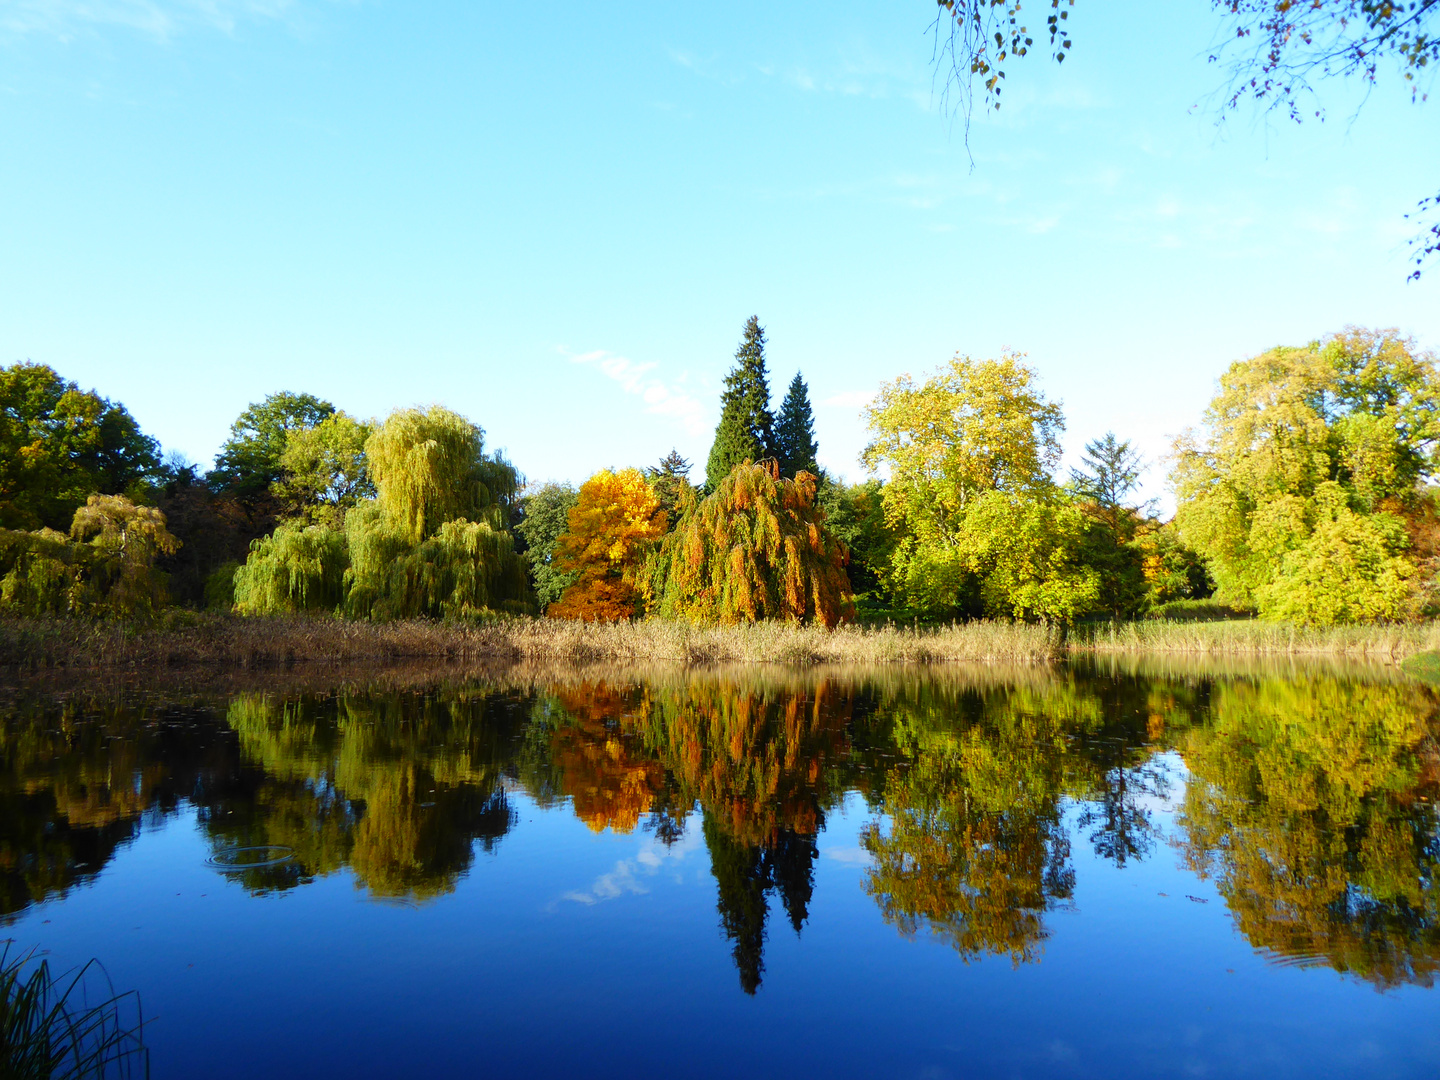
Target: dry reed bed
[186,639]
[1387,643]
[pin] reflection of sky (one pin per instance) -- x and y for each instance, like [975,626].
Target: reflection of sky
[653,857]
[1135,980]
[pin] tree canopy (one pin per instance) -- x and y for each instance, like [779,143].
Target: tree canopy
[795,447]
[611,528]
[757,548]
[60,444]
[434,540]
[323,469]
[547,515]
[1298,491]
[250,459]
[983,527]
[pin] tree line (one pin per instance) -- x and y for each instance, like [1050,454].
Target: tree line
[1304,496]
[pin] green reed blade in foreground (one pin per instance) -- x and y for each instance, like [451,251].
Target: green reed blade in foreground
[49,1030]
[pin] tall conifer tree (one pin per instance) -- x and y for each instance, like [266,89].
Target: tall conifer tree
[795,447]
[746,428]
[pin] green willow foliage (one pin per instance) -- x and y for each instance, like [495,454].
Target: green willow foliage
[755,549]
[434,541]
[295,568]
[106,567]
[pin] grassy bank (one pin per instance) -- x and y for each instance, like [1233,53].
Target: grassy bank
[187,639]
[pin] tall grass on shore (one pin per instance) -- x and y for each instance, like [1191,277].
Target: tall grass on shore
[184,639]
[49,1030]
[1387,642]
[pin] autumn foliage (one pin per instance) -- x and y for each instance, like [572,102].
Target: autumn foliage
[613,526]
[756,549]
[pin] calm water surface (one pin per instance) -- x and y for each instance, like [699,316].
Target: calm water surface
[1044,872]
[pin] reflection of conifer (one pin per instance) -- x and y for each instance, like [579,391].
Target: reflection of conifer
[740,872]
[745,873]
[791,865]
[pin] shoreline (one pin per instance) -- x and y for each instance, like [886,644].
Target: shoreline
[189,639]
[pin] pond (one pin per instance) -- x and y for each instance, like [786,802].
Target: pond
[1082,871]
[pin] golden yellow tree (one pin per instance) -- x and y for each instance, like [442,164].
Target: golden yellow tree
[613,525]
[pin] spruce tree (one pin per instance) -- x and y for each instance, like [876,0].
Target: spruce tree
[671,481]
[746,428]
[795,447]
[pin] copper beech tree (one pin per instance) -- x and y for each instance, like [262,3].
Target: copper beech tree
[613,526]
[755,549]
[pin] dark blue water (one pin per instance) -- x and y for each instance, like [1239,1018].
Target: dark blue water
[1041,873]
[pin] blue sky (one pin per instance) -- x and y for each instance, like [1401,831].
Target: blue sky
[555,220]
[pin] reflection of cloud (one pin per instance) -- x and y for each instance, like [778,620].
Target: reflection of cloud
[161,19]
[850,856]
[660,399]
[625,877]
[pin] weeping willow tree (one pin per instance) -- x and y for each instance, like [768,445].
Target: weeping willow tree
[295,568]
[755,549]
[435,539]
[105,567]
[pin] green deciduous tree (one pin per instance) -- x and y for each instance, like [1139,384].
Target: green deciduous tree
[295,568]
[323,469]
[757,548]
[1312,454]
[746,428]
[547,513]
[249,462]
[104,568]
[59,445]
[795,447]
[855,514]
[983,526]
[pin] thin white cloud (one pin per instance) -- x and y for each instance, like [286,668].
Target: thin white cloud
[661,398]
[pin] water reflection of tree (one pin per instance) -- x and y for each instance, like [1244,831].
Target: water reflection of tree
[975,849]
[76,778]
[1312,803]
[398,786]
[1312,800]
[764,760]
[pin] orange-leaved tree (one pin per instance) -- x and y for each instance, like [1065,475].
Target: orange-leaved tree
[614,523]
[756,549]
